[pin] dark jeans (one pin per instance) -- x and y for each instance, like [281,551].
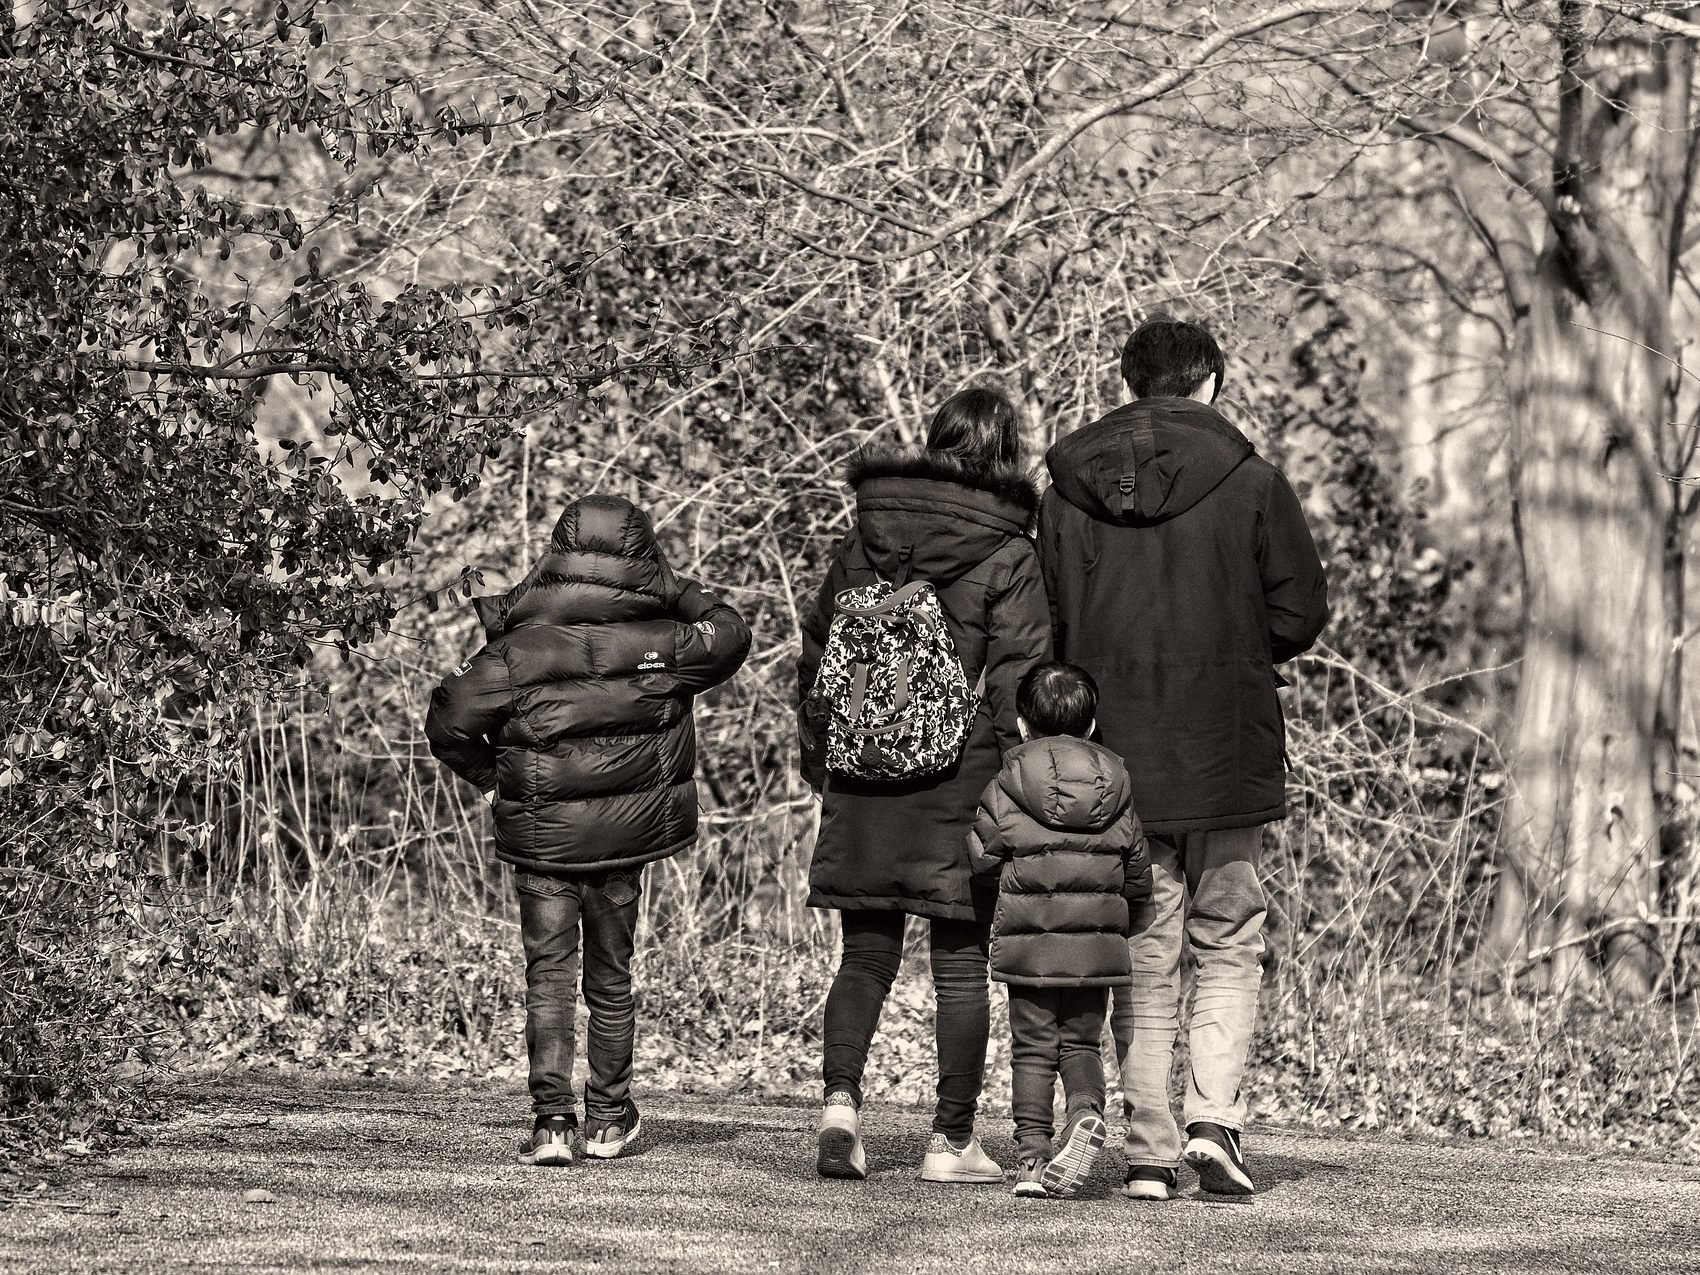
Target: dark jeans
[1056,1031]
[552,913]
[873,947]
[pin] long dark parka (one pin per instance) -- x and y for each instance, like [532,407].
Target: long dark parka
[900,847]
[578,711]
[1180,571]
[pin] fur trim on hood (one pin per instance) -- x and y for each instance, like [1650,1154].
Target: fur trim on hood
[891,460]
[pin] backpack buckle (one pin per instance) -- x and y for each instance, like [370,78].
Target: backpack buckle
[1127,484]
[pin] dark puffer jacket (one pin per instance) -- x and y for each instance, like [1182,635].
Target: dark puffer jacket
[578,712]
[1180,571]
[1057,828]
[899,846]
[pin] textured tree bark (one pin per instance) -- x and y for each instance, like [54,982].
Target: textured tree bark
[1584,820]
[1590,388]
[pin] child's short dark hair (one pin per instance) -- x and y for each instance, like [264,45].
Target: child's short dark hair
[1058,699]
[1170,358]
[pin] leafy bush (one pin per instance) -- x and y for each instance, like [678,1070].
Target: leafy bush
[172,555]
[373,930]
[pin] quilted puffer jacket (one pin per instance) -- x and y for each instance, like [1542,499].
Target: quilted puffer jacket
[1056,827]
[578,711]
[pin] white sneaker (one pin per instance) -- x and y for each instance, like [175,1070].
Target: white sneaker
[839,1143]
[945,1163]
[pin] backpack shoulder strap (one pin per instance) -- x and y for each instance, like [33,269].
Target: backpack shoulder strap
[888,605]
[905,565]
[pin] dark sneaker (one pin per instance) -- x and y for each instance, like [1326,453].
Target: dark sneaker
[1083,1138]
[605,1139]
[551,1141]
[1147,1182]
[1213,1151]
[1028,1175]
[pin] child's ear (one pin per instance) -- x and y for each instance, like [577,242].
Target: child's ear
[1022,726]
[1092,729]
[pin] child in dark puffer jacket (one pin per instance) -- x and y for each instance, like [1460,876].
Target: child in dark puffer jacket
[1057,827]
[575,720]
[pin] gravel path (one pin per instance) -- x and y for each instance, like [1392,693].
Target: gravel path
[384,1176]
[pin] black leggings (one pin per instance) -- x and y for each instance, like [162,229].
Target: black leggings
[873,948]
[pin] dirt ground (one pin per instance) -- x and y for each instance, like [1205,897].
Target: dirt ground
[421,1178]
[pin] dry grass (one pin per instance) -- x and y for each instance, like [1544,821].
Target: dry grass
[366,929]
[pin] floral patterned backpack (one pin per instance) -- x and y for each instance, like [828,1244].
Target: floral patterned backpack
[896,702]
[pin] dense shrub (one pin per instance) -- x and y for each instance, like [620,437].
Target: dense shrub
[170,553]
[371,930]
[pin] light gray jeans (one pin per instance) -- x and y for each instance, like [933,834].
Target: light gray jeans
[1205,896]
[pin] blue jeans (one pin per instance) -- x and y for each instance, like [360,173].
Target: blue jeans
[1206,898]
[553,912]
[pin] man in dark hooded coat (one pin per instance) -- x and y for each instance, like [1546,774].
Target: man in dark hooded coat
[1180,572]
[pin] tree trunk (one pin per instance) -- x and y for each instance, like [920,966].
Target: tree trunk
[1592,518]
[1590,406]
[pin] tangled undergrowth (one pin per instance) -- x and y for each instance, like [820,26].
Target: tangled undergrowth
[442,994]
[1374,1016]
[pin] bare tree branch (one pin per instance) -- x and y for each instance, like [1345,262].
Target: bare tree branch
[1016,182]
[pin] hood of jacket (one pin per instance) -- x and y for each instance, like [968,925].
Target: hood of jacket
[1066,784]
[944,515]
[604,565]
[1147,461]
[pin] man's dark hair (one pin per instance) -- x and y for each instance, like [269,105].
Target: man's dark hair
[1058,699]
[1170,358]
[976,425]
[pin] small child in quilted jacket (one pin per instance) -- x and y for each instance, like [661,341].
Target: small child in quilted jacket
[1057,827]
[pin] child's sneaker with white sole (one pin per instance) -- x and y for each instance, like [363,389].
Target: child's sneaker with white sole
[550,1143]
[1148,1182]
[1070,1167]
[1029,1177]
[605,1139]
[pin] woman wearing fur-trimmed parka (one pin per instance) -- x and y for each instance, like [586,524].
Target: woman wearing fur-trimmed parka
[954,513]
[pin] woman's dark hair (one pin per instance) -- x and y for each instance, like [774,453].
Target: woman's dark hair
[1057,699]
[1170,358]
[976,425]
